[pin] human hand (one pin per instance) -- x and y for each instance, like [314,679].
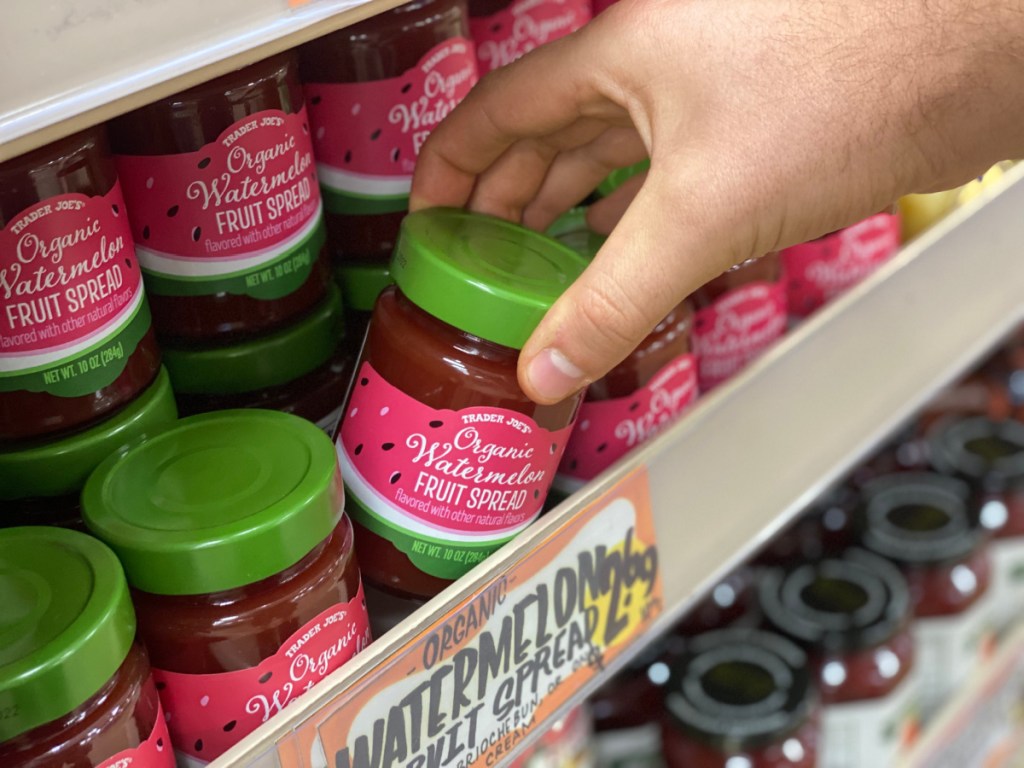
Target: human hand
[768,123]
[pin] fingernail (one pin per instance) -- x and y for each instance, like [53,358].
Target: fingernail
[553,376]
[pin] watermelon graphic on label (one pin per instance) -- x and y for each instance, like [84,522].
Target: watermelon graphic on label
[367,135]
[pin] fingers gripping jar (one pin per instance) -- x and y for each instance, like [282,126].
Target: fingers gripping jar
[75,686]
[444,457]
[241,563]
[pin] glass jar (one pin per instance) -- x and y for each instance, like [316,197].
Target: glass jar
[729,600]
[922,522]
[819,270]
[827,527]
[375,90]
[565,744]
[222,195]
[852,614]
[303,369]
[989,456]
[75,687]
[445,458]
[740,314]
[40,482]
[361,284]
[231,532]
[740,697]
[74,319]
[505,30]
[637,398]
[601,5]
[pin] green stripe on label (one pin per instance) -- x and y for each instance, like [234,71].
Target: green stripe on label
[88,371]
[352,203]
[280,276]
[442,558]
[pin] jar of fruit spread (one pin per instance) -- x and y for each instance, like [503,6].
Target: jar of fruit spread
[821,269]
[224,205]
[989,456]
[728,601]
[505,30]
[41,481]
[361,284]
[231,532]
[852,614]
[922,522]
[637,398]
[567,743]
[376,90]
[303,369]
[740,697]
[740,314]
[75,687]
[444,457]
[77,343]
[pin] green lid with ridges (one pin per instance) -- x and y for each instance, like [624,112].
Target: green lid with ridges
[268,361]
[60,467]
[219,501]
[66,624]
[486,276]
[361,284]
[571,229]
[616,178]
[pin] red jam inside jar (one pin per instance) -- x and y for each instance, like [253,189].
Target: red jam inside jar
[241,565]
[565,744]
[375,91]
[828,527]
[444,457]
[75,685]
[361,284]
[222,195]
[922,522]
[739,315]
[505,30]
[729,600]
[852,614]
[75,355]
[740,696]
[304,369]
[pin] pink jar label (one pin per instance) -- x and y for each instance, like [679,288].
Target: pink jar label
[72,308]
[821,269]
[207,714]
[601,5]
[606,430]
[505,36]
[736,328]
[446,487]
[154,752]
[242,215]
[367,135]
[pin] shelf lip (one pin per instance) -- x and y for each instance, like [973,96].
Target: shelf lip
[117,74]
[822,398]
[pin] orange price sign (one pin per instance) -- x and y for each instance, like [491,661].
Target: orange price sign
[469,688]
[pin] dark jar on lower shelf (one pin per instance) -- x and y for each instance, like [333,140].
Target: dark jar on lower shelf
[241,563]
[740,697]
[76,685]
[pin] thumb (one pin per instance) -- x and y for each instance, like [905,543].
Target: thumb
[654,258]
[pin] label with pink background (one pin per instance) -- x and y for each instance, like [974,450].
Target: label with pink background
[523,25]
[736,328]
[242,215]
[606,430]
[72,308]
[207,714]
[154,752]
[367,135]
[446,487]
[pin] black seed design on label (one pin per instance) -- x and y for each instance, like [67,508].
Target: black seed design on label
[115,209]
[196,233]
[436,423]
[204,162]
[406,87]
[554,447]
[536,493]
[364,381]
[161,686]
[601,447]
[305,128]
[572,464]
[387,446]
[172,211]
[359,449]
[395,477]
[375,135]
[394,154]
[267,676]
[496,28]
[348,156]
[199,745]
[128,263]
[634,406]
[145,233]
[315,100]
[230,726]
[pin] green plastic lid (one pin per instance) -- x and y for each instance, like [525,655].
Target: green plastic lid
[571,229]
[219,501]
[483,275]
[66,624]
[268,361]
[617,177]
[60,467]
[361,284]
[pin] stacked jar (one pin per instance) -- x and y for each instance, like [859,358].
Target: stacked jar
[221,188]
[80,370]
[240,559]
[505,30]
